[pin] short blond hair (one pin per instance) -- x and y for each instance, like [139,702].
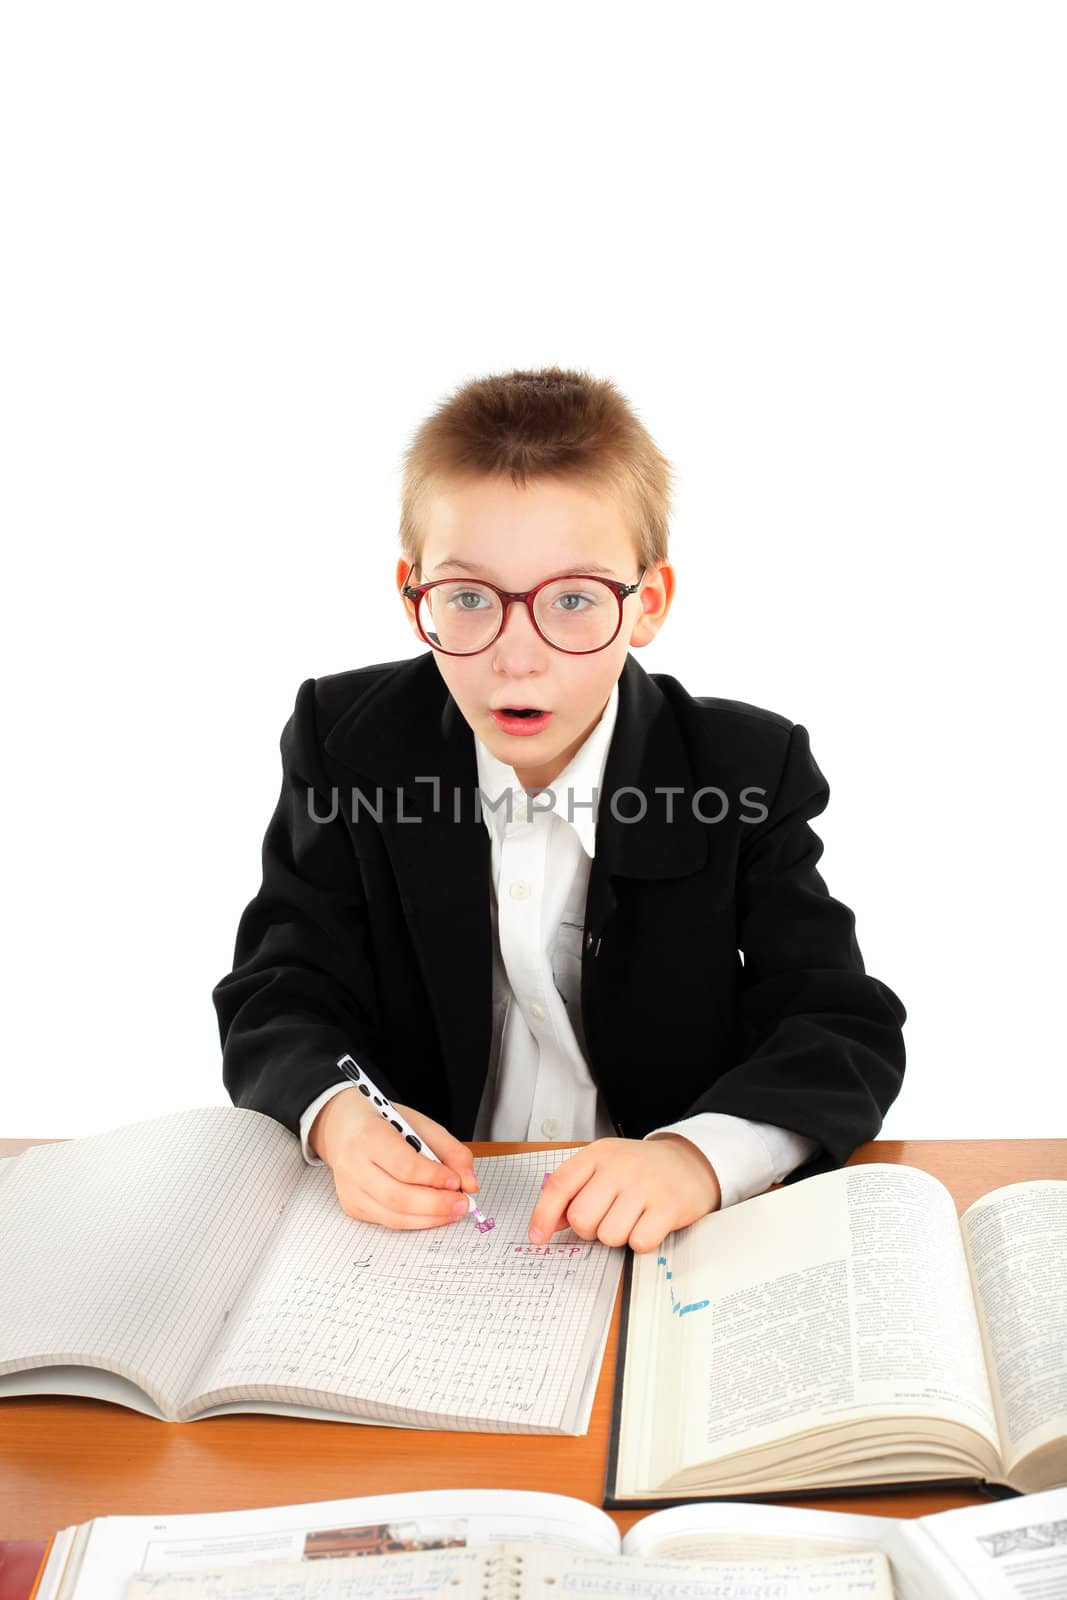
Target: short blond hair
[551,423]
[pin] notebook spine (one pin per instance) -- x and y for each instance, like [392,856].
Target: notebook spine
[502,1579]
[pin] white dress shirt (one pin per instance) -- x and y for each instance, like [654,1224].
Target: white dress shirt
[539,1087]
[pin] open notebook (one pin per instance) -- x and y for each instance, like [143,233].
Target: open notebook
[195,1264]
[532,1572]
[488,1542]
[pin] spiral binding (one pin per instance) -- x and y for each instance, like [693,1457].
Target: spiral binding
[502,1577]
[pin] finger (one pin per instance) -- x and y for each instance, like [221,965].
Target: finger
[454,1155]
[386,1148]
[389,1194]
[361,1206]
[649,1232]
[559,1189]
[390,1190]
[617,1225]
[594,1201]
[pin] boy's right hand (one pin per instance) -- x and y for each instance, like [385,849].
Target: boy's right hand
[379,1177]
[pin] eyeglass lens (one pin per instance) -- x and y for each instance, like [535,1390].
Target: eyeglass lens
[573,614]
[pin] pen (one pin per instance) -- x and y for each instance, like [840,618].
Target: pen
[367,1086]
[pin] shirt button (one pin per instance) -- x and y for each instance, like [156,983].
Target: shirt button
[550,1128]
[519,890]
[537,1010]
[589,941]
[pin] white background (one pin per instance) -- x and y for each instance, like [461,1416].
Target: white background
[248,247]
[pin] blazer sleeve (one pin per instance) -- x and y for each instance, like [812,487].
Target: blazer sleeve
[822,1048]
[302,991]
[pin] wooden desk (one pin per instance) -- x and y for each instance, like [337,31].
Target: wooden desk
[64,1461]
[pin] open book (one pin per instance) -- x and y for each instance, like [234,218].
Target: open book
[451,1543]
[195,1264]
[847,1331]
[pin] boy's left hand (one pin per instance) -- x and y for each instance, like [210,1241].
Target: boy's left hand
[627,1191]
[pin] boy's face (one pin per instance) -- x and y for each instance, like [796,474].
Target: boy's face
[515,538]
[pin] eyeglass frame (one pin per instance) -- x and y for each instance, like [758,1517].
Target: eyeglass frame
[621,591]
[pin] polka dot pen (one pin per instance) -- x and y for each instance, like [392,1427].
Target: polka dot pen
[365,1086]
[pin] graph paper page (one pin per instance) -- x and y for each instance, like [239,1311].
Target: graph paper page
[128,1249]
[440,1327]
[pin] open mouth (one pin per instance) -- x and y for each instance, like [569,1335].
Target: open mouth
[521,719]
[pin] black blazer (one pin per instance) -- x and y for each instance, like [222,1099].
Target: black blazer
[374,935]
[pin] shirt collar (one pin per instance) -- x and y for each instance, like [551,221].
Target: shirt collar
[577,789]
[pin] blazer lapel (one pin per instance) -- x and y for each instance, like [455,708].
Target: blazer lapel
[412,753]
[643,831]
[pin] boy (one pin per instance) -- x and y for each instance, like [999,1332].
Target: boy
[538,893]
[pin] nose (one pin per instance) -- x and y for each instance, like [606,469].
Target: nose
[518,646]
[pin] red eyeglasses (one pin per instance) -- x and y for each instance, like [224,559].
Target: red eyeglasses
[577,614]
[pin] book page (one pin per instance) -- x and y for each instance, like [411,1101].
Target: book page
[736,1530]
[127,1249]
[429,1519]
[835,1300]
[601,1578]
[50,1577]
[1016,1242]
[439,1327]
[456,1574]
[1012,1550]
[88,1383]
[527,1574]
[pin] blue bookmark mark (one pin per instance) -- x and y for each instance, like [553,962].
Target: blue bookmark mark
[676,1305]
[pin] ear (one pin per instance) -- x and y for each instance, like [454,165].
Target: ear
[654,596]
